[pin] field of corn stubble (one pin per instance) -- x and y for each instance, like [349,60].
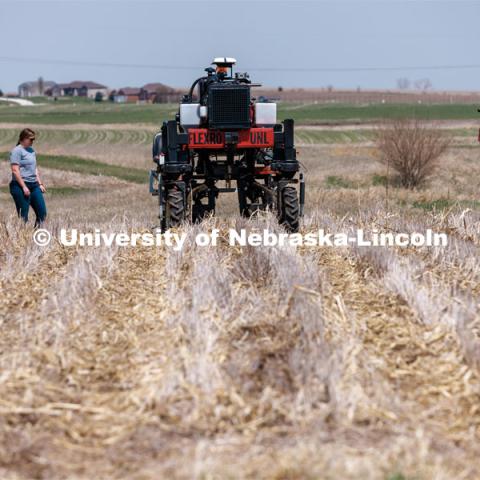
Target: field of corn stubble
[241,362]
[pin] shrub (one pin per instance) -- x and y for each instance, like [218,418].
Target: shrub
[412,149]
[335,181]
[379,180]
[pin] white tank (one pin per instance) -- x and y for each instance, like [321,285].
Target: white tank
[190,114]
[265,114]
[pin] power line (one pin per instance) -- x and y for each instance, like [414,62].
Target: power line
[373,69]
[259,69]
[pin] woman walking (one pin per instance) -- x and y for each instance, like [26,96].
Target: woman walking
[26,187]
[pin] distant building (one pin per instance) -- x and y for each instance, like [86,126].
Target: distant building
[126,95]
[149,93]
[78,88]
[158,93]
[35,88]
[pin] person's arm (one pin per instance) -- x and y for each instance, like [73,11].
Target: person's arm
[42,186]
[15,164]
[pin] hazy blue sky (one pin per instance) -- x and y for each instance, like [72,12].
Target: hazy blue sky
[300,37]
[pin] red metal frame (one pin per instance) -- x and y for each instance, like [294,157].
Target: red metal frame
[215,139]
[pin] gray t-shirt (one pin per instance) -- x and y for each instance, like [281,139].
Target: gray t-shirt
[26,158]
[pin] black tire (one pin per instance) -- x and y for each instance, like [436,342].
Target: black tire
[199,212]
[289,209]
[175,207]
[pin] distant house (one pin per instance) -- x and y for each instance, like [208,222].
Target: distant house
[78,88]
[57,90]
[149,93]
[127,95]
[158,93]
[35,88]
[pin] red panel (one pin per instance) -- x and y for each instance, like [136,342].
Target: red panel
[256,137]
[204,138]
[215,139]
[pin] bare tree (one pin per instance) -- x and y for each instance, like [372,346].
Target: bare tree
[41,85]
[423,84]
[412,149]
[403,83]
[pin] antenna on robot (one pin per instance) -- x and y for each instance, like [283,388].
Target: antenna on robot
[224,63]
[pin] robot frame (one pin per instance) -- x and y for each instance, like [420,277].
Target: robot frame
[221,133]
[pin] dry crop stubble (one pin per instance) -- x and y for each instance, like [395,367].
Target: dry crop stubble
[242,362]
[238,361]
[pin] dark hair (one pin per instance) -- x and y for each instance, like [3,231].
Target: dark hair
[25,133]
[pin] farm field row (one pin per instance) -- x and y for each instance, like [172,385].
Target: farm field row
[153,114]
[143,137]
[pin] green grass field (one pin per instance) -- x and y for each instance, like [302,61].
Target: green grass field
[89,167]
[93,136]
[59,191]
[318,114]
[84,111]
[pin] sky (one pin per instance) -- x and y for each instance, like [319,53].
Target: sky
[344,44]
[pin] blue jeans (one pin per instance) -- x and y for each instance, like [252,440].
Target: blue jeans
[35,199]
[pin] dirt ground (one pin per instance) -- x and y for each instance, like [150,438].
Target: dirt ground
[242,362]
